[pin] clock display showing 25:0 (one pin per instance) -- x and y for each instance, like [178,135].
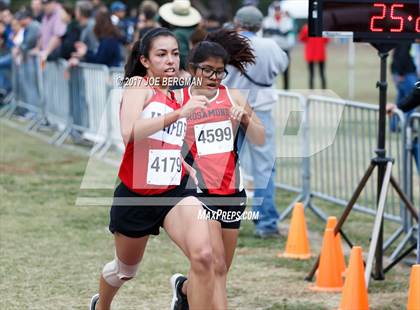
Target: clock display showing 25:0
[394,18]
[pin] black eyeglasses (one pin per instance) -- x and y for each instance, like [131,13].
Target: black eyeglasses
[208,73]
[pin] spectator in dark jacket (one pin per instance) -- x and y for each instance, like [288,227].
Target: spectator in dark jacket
[72,34]
[404,75]
[83,13]
[409,104]
[6,18]
[147,18]
[37,10]
[412,101]
[109,50]
[118,17]
[403,70]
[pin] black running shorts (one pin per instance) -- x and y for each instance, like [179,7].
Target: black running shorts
[225,209]
[134,215]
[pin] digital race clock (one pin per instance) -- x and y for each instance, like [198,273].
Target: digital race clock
[366,20]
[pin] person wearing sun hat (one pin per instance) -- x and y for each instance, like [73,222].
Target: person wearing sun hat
[181,18]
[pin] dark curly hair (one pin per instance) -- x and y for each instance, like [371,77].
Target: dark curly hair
[229,45]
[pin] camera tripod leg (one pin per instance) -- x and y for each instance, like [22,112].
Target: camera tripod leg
[399,258]
[378,221]
[346,213]
[349,243]
[408,237]
[405,199]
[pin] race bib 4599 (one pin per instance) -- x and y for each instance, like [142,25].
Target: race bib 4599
[214,138]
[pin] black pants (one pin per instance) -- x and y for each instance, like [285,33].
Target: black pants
[321,73]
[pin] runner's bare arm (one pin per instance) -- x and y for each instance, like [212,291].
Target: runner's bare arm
[254,129]
[133,101]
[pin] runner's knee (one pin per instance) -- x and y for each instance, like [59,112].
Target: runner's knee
[116,272]
[202,259]
[219,263]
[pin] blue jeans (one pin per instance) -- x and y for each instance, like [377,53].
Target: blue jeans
[262,169]
[5,72]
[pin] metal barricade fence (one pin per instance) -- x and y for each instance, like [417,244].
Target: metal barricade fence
[57,97]
[91,89]
[26,87]
[113,111]
[10,108]
[288,118]
[412,153]
[337,169]
[413,126]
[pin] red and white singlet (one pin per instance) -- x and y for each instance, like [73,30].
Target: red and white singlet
[153,165]
[211,142]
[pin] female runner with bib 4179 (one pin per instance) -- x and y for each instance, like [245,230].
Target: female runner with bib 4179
[152,192]
[213,152]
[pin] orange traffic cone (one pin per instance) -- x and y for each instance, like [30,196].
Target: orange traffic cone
[331,223]
[414,290]
[355,294]
[297,245]
[329,277]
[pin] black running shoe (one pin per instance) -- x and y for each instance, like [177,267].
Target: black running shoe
[179,299]
[94,301]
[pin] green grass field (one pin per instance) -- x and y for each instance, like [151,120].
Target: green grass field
[52,250]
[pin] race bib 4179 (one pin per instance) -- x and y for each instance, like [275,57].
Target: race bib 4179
[164,167]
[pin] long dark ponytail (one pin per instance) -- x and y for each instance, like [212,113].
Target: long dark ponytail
[134,67]
[229,45]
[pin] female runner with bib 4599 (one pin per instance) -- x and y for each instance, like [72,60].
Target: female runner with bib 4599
[212,150]
[152,192]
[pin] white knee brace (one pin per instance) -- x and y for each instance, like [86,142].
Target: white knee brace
[116,272]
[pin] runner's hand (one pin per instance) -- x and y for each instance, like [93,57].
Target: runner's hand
[195,102]
[239,114]
[193,174]
[81,49]
[191,171]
